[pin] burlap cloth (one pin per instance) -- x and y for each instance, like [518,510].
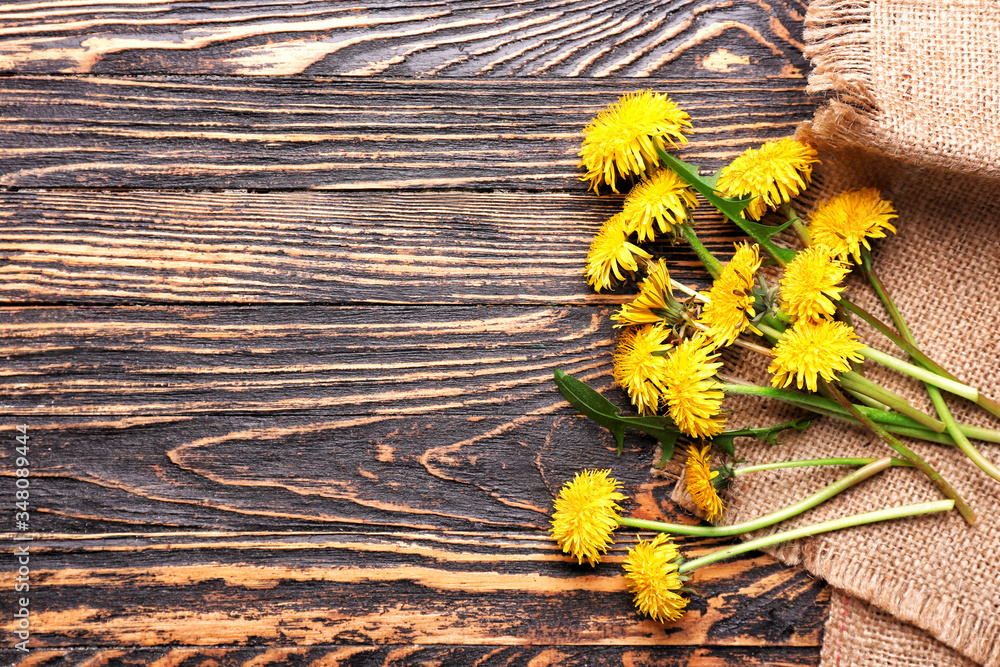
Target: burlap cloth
[915,111]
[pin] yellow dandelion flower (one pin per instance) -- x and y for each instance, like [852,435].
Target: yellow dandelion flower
[846,221]
[663,199]
[611,252]
[771,174]
[655,301]
[652,578]
[586,514]
[622,139]
[699,482]
[814,348]
[694,398]
[731,302]
[811,284]
[639,364]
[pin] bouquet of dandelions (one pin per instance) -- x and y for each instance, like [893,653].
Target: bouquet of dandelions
[667,357]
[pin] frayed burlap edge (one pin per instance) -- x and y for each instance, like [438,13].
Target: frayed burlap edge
[847,55]
[838,38]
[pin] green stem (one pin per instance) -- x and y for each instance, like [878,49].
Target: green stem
[988,404]
[907,346]
[954,429]
[908,454]
[771,329]
[960,440]
[915,431]
[792,216]
[807,401]
[891,421]
[817,528]
[815,462]
[859,383]
[867,400]
[868,270]
[768,519]
[890,305]
[977,433]
[712,265]
[951,386]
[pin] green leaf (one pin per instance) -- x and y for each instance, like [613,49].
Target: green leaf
[768,434]
[762,234]
[731,208]
[591,404]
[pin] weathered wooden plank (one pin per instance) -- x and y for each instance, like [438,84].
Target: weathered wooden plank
[344,361]
[383,656]
[321,472]
[205,133]
[309,472]
[459,38]
[221,531]
[332,248]
[273,361]
[393,588]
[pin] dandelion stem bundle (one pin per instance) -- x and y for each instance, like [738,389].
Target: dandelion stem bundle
[873,468]
[669,357]
[819,528]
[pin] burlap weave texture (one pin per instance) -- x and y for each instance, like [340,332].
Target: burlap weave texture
[915,112]
[913,79]
[850,639]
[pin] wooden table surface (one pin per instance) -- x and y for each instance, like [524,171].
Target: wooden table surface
[284,285]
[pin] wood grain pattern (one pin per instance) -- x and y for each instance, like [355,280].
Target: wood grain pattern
[429,588]
[322,248]
[348,134]
[276,426]
[280,531]
[342,361]
[571,38]
[366,655]
[309,472]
